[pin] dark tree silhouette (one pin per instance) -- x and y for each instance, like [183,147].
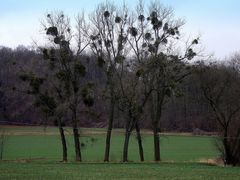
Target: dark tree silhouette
[220,87]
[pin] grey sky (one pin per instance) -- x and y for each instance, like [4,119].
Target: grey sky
[217,21]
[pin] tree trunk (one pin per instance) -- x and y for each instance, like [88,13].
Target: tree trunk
[156,143]
[1,145]
[227,153]
[157,102]
[126,143]
[77,144]
[140,146]
[236,148]
[109,131]
[64,144]
[76,136]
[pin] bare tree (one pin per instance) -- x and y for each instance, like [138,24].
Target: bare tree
[154,40]
[220,87]
[108,44]
[60,91]
[68,69]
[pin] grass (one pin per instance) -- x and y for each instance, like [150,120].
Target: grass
[33,170]
[30,143]
[34,153]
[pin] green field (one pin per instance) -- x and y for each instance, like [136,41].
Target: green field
[34,153]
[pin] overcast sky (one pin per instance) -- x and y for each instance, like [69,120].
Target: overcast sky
[217,21]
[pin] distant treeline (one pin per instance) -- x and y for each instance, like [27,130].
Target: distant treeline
[186,112]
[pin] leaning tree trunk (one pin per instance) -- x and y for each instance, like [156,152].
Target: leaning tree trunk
[126,143]
[64,144]
[127,138]
[140,146]
[109,131]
